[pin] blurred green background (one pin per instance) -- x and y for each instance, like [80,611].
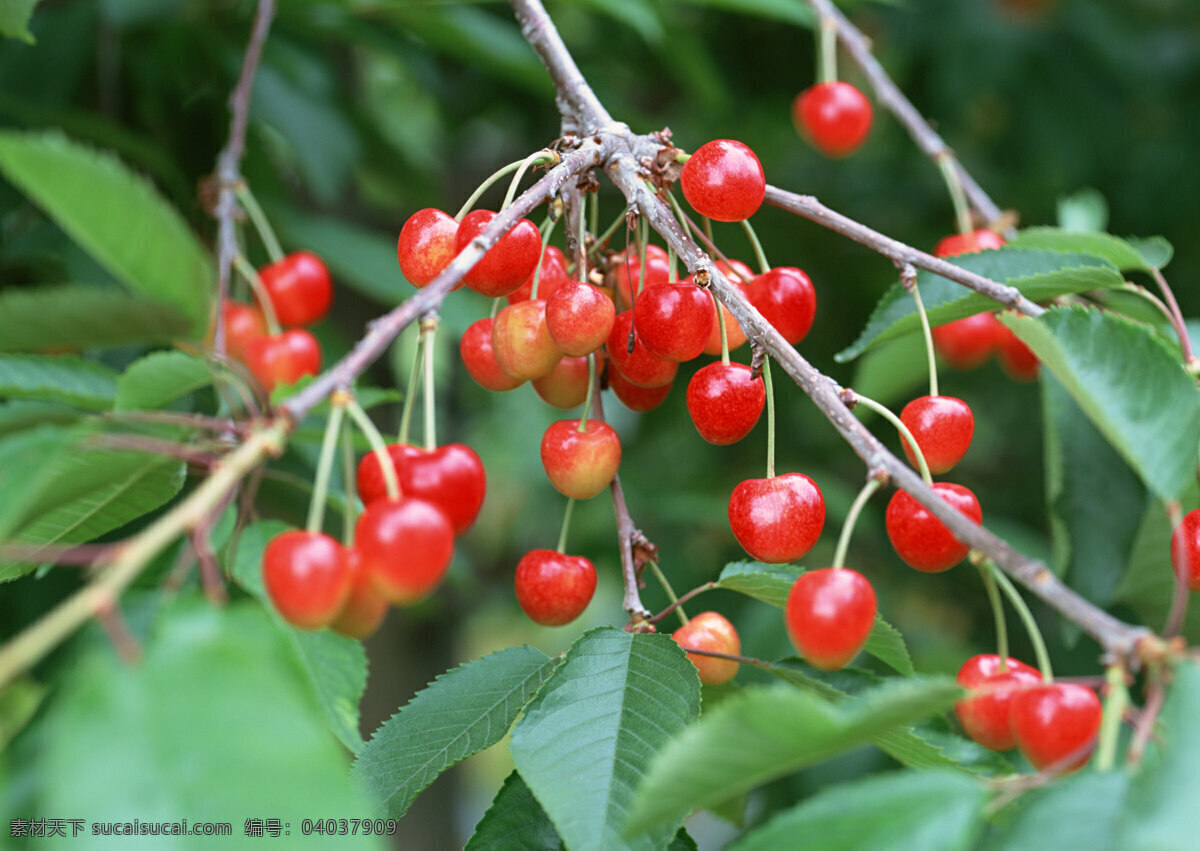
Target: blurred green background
[367,110]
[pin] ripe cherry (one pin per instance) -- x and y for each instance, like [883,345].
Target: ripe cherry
[674,320]
[985,715]
[829,614]
[508,263]
[723,180]
[1016,358]
[426,246]
[579,318]
[1185,549]
[835,116]
[626,272]
[786,298]
[521,341]
[1056,724]
[299,287]
[725,402]
[943,427]
[713,632]
[920,539]
[307,577]
[365,608]
[640,399]
[244,323]
[580,464]
[566,385]
[406,547]
[553,276]
[450,477]
[283,358]
[552,588]
[640,367]
[967,343]
[739,275]
[968,243]
[477,354]
[778,519]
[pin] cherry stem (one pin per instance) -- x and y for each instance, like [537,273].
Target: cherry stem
[643,240]
[905,434]
[602,239]
[676,603]
[721,325]
[908,278]
[487,184]
[259,218]
[537,272]
[766,374]
[410,397]
[699,589]
[839,555]
[333,427]
[989,584]
[497,303]
[733,657]
[591,393]
[260,292]
[1031,627]
[827,50]
[1171,313]
[390,479]
[542,157]
[349,474]
[962,212]
[566,526]
[428,334]
[581,269]
[760,256]
[1114,710]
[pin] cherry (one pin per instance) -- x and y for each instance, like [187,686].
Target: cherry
[299,287]
[508,263]
[579,318]
[967,343]
[554,275]
[639,367]
[553,589]
[450,477]
[968,243]
[477,354]
[365,608]
[835,116]
[985,715]
[713,632]
[739,275]
[674,320]
[725,402]
[640,399]
[786,298]
[244,323]
[580,464]
[1056,724]
[406,546]
[566,385]
[283,358]
[521,341]
[942,426]
[723,180]
[1016,358]
[306,577]
[1185,549]
[426,246]
[920,539]
[627,273]
[778,519]
[829,614]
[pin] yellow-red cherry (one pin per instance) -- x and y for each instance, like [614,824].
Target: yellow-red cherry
[1055,725]
[724,181]
[943,427]
[566,385]
[406,547]
[580,464]
[1185,549]
[778,519]
[365,608]
[740,275]
[552,588]
[307,577]
[475,349]
[521,340]
[725,401]
[713,632]
[299,288]
[244,323]
[835,116]
[920,539]
[829,614]
[579,318]
[639,399]
[626,276]
[283,358]
[426,246]
[984,715]
[553,275]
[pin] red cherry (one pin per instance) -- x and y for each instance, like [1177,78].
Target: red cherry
[835,116]
[426,246]
[406,546]
[723,180]
[566,385]
[521,341]
[740,276]
[640,367]
[580,464]
[283,358]
[942,426]
[451,477]
[786,298]
[627,273]
[306,577]
[579,318]
[244,323]
[508,263]
[553,589]
[1185,549]
[365,608]
[967,343]
[968,243]
[299,287]
[778,519]
[554,275]
[1056,724]
[985,715]
[477,354]
[725,402]
[920,539]
[713,632]
[640,399]
[1016,358]
[674,320]
[829,614]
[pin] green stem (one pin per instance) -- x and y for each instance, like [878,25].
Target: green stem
[662,580]
[497,303]
[766,373]
[537,272]
[721,325]
[566,525]
[349,475]
[827,51]
[428,334]
[410,397]
[259,218]
[839,556]
[643,240]
[905,434]
[1031,627]
[367,427]
[316,507]
[603,238]
[485,186]
[538,157]
[1114,710]
[582,271]
[928,333]
[989,583]
[260,292]
[962,213]
[591,391]
[596,216]
[760,256]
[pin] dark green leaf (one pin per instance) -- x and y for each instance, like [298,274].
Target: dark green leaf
[76,315]
[515,820]
[1111,248]
[58,378]
[585,742]
[886,644]
[1083,811]
[25,469]
[159,379]
[19,415]
[14,19]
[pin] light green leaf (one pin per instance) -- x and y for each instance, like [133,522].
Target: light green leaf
[886,644]
[23,470]
[159,379]
[1115,250]
[1129,383]
[1083,210]
[617,699]
[116,216]
[515,820]
[1155,250]
[1082,811]
[14,19]
[20,414]
[58,378]
[925,810]
[34,319]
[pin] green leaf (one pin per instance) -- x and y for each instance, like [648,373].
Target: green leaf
[1155,250]
[19,415]
[1148,586]
[58,378]
[116,216]
[461,713]
[1082,811]
[1129,383]
[886,644]
[585,741]
[932,811]
[34,319]
[159,379]
[515,820]
[23,470]
[765,733]
[1115,250]
[216,706]
[1084,210]
[1039,275]
[891,373]
[14,19]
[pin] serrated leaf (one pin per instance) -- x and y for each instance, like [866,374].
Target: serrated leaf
[617,699]
[462,712]
[1039,275]
[34,319]
[886,644]
[14,19]
[1129,383]
[116,216]
[23,470]
[1111,248]
[58,378]
[765,733]
[927,810]
[1083,811]
[515,820]
[159,379]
